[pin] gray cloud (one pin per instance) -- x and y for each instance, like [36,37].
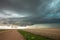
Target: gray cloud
[31,11]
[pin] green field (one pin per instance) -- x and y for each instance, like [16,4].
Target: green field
[30,36]
[2,30]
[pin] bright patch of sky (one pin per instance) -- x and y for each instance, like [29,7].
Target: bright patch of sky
[10,14]
[53,10]
[54,4]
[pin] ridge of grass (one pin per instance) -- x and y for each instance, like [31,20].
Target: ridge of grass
[2,30]
[30,36]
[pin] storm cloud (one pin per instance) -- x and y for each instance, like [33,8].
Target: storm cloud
[31,11]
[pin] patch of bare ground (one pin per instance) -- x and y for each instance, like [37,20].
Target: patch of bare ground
[10,35]
[53,33]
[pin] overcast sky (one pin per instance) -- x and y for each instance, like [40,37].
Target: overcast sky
[35,11]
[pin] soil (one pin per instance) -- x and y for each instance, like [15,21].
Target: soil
[53,33]
[10,35]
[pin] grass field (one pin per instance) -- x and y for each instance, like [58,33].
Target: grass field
[30,36]
[53,33]
[3,29]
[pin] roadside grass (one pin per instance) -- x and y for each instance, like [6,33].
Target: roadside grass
[2,30]
[30,36]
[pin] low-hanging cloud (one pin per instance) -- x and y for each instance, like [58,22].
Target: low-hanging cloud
[31,11]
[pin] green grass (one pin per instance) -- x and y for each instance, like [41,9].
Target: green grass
[2,30]
[30,36]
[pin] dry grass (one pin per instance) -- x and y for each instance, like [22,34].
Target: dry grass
[47,32]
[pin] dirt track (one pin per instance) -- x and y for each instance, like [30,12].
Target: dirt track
[51,33]
[11,35]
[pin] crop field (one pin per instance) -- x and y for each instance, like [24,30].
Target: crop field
[47,32]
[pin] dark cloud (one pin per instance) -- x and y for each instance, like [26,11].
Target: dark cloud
[31,11]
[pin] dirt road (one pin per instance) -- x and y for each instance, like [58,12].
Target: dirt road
[51,33]
[11,35]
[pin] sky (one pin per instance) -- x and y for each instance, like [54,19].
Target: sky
[31,11]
